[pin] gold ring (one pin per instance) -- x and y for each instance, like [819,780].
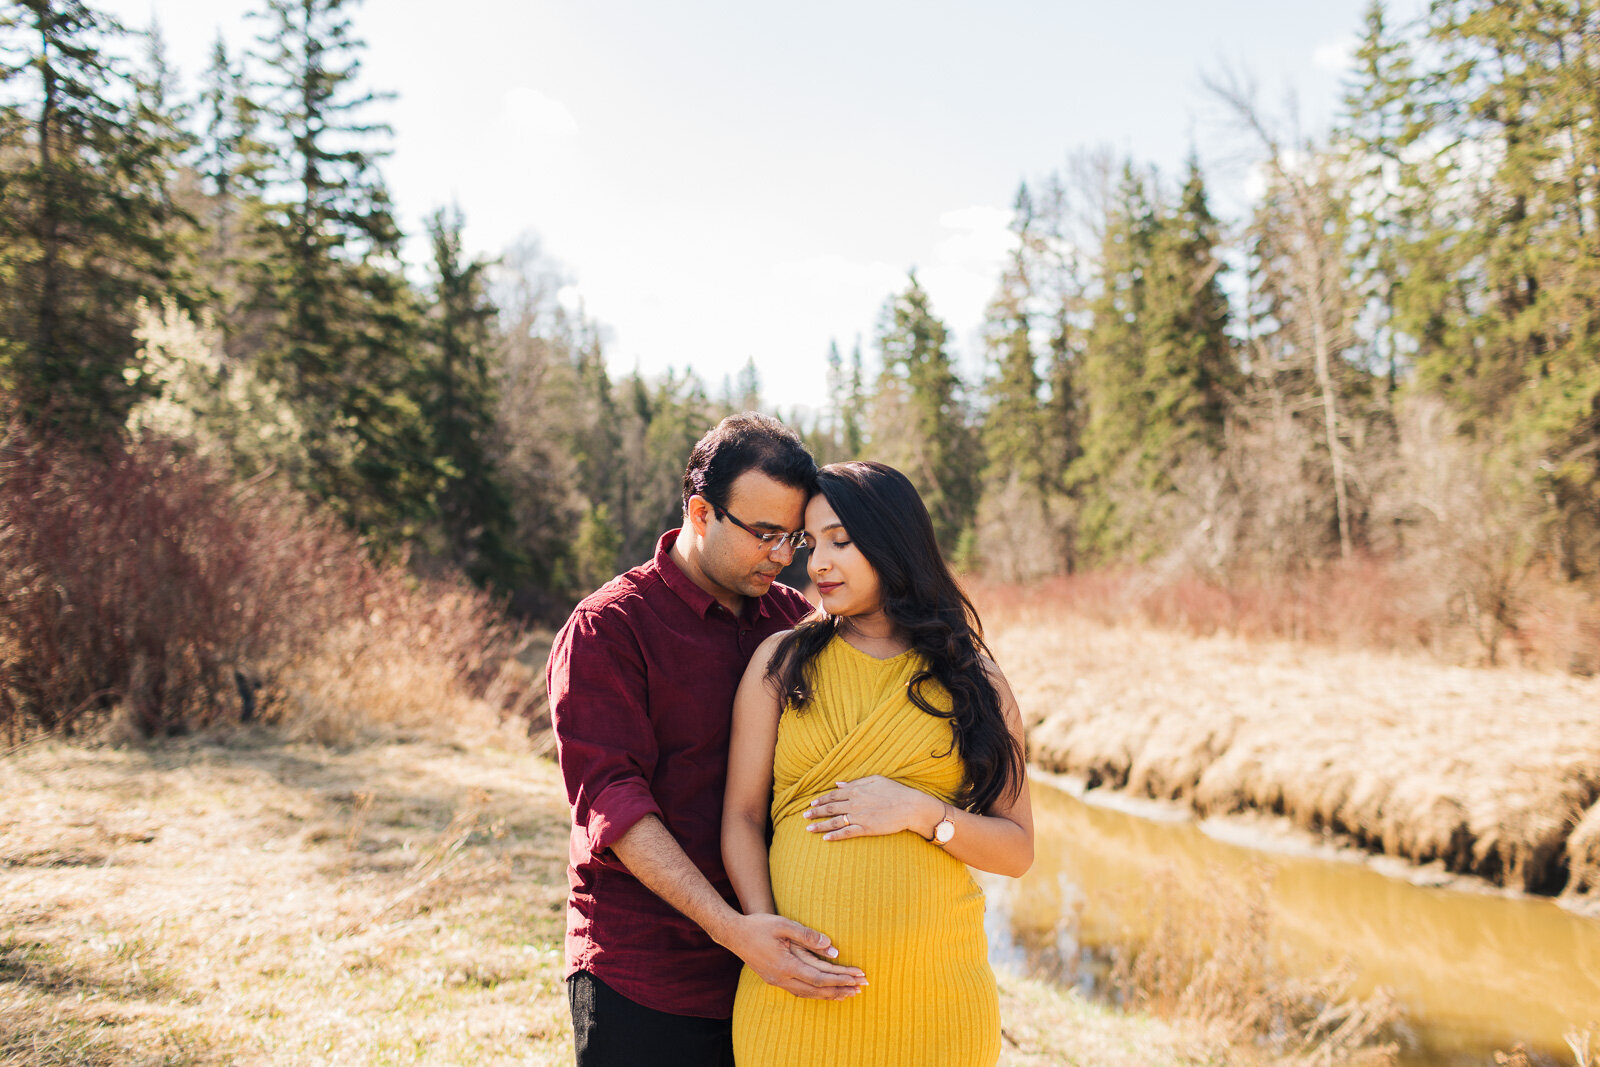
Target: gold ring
[846,817]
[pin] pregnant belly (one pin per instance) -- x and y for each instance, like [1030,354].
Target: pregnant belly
[875,895]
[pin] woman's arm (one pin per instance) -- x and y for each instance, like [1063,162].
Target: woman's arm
[747,798]
[1000,840]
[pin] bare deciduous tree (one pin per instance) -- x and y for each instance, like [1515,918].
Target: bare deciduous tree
[1299,234]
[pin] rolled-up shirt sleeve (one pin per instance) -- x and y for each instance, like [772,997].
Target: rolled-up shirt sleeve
[600,714]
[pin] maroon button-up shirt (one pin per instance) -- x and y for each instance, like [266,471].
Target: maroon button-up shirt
[642,679]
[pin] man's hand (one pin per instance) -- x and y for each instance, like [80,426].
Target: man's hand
[783,952]
[792,957]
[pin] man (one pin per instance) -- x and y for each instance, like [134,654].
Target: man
[642,679]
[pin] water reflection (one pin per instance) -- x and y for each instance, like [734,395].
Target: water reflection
[1474,972]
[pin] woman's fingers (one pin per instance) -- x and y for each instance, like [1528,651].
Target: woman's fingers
[826,806]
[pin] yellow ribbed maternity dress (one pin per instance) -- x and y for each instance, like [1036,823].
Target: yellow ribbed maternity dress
[897,906]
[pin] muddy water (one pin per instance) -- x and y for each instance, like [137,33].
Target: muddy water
[1473,971]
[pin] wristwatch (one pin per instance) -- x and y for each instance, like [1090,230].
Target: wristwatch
[945,830]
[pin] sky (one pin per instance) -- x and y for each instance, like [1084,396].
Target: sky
[724,181]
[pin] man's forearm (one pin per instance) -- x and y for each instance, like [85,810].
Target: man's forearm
[782,952]
[654,856]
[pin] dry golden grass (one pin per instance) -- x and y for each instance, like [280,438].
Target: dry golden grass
[1045,1026]
[257,901]
[1203,953]
[249,899]
[370,680]
[1486,772]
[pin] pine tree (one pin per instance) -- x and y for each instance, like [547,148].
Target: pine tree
[1016,534]
[1158,368]
[1057,270]
[846,433]
[474,510]
[920,418]
[345,343]
[1013,427]
[1384,122]
[231,166]
[1190,367]
[747,390]
[1111,474]
[84,216]
[1519,78]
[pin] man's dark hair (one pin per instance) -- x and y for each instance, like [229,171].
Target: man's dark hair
[745,442]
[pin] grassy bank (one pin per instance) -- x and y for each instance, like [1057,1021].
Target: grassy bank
[1493,773]
[249,900]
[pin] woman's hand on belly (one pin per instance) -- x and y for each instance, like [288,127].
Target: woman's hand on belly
[872,807]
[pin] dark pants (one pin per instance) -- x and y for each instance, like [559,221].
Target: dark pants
[609,1030]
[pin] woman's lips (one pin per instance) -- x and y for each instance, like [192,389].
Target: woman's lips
[825,588]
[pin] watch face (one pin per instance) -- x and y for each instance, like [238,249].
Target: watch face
[944,831]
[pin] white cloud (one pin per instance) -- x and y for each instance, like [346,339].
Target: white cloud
[1334,57]
[529,111]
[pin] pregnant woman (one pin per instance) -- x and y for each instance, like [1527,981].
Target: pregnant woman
[887,750]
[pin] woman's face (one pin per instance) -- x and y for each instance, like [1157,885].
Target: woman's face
[845,580]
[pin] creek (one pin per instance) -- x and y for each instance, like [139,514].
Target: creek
[1472,970]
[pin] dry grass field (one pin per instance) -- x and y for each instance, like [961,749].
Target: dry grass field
[1491,772]
[248,899]
[258,901]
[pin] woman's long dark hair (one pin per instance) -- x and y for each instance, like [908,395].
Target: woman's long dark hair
[887,521]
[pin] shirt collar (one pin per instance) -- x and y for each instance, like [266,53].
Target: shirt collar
[698,599]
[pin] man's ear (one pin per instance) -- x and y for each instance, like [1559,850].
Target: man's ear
[697,513]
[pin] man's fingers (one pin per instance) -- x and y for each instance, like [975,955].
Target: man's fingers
[813,965]
[811,992]
[814,940]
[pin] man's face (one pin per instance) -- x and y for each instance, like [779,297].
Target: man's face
[734,559]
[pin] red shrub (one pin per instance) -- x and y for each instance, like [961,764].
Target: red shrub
[142,578]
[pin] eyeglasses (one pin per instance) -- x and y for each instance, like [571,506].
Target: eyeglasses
[773,540]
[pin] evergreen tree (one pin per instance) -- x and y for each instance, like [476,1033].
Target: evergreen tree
[1056,260]
[84,213]
[345,339]
[1112,468]
[1384,121]
[1013,426]
[920,418]
[846,395]
[747,390]
[1518,80]
[1158,367]
[1063,409]
[1016,534]
[231,167]
[1190,366]
[474,510]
